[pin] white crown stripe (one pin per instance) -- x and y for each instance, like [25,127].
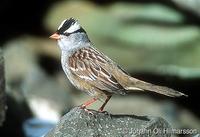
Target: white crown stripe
[61,24]
[72,28]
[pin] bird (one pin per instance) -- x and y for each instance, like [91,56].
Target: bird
[92,71]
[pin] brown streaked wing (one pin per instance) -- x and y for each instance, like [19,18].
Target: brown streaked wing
[90,65]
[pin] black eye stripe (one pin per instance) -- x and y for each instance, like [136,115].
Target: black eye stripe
[77,31]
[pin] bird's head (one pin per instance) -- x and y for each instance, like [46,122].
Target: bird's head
[69,34]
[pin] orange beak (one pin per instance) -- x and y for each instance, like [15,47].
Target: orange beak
[55,36]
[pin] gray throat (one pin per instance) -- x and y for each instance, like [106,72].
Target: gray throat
[73,42]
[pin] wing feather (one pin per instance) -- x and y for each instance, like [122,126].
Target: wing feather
[92,66]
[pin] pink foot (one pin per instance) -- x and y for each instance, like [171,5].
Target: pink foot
[86,110]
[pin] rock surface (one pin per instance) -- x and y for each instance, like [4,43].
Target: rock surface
[2,90]
[80,123]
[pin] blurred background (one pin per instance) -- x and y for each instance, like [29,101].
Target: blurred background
[156,41]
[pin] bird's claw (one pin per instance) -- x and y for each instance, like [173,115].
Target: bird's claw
[86,110]
[102,111]
[83,106]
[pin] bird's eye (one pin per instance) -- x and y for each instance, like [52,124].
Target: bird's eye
[67,34]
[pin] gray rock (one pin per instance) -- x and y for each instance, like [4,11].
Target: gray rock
[2,90]
[80,123]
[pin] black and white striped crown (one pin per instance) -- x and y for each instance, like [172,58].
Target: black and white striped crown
[69,26]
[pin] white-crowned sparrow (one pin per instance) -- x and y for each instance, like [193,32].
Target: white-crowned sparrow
[92,71]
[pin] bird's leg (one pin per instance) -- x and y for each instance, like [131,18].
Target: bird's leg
[89,102]
[104,104]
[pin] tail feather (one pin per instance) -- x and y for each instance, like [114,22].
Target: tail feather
[154,88]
